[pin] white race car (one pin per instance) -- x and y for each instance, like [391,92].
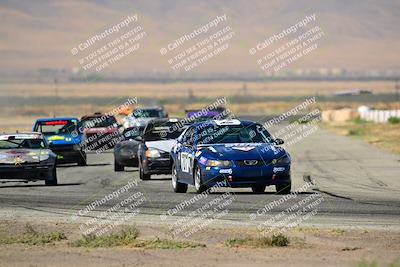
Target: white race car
[27,157]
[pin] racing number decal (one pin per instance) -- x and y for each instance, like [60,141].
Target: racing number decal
[185,162]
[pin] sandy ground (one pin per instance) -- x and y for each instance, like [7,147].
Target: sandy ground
[308,247]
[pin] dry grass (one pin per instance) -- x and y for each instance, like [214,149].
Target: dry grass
[383,135]
[181,89]
[33,237]
[278,240]
[128,237]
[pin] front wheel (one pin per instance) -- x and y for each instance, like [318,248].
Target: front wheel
[53,180]
[198,181]
[118,167]
[176,185]
[142,174]
[283,189]
[82,160]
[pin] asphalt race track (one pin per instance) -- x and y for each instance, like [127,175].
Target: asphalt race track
[359,186]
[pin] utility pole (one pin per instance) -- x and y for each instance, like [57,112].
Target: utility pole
[397,87]
[191,95]
[56,96]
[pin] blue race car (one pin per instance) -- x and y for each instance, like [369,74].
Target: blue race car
[230,153]
[65,138]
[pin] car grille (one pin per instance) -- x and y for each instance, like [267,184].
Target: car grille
[164,154]
[250,163]
[61,148]
[19,164]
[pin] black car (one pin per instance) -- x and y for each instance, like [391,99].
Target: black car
[27,157]
[126,151]
[141,116]
[101,132]
[155,145]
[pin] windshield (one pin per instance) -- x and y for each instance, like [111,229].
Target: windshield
[148,113]
[163,131]
[214,134]
[99,122]
[132,133]
[56,127]
[22,143]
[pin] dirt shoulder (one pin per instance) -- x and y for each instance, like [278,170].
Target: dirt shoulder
[382,135]
[307,247]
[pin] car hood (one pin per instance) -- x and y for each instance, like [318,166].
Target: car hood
[164,145]
[19,156]
[63,139]
[242,151]
[130,122]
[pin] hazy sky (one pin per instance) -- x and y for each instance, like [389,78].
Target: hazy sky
[42,34]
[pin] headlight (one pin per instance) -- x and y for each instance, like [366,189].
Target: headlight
[152,153]
[283,160]
[44,155]
[218,163]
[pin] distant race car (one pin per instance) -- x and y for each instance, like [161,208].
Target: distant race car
[230,153]
[156,142]
[199,115]
[101,131]
[141,116]
[126,151]
[64,138]
[27,157]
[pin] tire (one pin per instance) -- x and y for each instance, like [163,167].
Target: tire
[53,181]
[176,185]
[258,189]
[82,159]
[142,174]
[198,181]
[283,189]
[117,167]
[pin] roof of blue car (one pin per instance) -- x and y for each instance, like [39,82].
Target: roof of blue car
[56,119]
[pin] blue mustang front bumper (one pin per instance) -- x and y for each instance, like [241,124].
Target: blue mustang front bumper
[66,154]
[246,176]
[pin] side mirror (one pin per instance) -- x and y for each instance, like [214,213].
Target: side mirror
[279,141]
[139,139]
[189,144]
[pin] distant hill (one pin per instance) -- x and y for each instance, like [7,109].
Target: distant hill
[40,34]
